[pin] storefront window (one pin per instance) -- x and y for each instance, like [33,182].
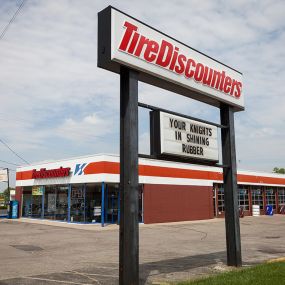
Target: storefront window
[93,203]
[50,202]
[62,203]
[243,197]
[85,202]
[56,202]
[37,200]
[257,196]
[27,202]
[281,197]
[270,197]
[112,203]
[140,203]
[36,206]
[77,203]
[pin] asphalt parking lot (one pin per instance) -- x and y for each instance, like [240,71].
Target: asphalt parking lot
[57,253]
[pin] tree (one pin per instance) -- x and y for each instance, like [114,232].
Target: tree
[6,195]
[279,170]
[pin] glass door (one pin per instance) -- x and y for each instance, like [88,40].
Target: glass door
[37,206]
[27,202]
[61,212]
[93,200]
[112,204]
[50,202]
[77,203]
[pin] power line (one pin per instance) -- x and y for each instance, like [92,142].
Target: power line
[14,152]
[12,19]
[9,162]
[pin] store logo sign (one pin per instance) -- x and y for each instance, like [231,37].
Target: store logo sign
[79,169]
[167,55]
[50,173]
[160,60]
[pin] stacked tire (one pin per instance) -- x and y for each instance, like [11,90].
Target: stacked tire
[255,210]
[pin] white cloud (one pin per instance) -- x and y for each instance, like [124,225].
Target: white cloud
[91,126]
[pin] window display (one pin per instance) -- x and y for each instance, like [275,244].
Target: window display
[85,200]
[56,202]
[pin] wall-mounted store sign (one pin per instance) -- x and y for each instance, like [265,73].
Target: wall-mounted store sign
[164,61]
[178,136]
[50,173]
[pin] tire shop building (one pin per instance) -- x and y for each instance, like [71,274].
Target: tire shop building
[86,190]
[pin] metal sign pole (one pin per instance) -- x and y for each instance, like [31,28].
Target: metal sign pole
[230,188]
[129,231]
[8,181]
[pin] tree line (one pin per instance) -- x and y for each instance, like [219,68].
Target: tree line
[279,170]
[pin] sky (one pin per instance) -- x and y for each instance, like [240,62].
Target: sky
[56,103]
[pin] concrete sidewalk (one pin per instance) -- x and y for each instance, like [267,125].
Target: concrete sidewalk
[99,227]
[41,252]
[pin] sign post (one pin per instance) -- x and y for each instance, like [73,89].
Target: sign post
[129,187]
[230,186]
[139,52]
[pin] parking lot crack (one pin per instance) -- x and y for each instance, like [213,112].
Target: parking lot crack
[85,275]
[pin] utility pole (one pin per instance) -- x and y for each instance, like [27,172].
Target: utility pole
[8,179]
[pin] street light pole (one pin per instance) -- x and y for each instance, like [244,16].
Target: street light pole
[8,179]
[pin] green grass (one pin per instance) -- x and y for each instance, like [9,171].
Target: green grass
[270,273]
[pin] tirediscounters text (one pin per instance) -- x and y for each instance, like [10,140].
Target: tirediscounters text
[184,137]
[167,55]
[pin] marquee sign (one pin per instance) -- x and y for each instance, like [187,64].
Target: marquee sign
[164,61]
[179,136]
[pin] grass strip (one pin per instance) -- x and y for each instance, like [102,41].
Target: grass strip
[269,273]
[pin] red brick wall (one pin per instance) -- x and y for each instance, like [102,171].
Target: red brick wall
[18,197]
[171,203]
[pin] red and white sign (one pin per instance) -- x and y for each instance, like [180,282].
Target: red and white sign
[143,48]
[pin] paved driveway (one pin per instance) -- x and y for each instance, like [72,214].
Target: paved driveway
[58,253]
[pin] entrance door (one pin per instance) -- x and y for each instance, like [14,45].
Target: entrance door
[77,204]
[112,204]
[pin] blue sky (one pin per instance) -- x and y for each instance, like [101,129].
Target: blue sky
[56,103]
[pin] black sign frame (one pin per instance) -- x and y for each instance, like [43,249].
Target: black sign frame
[129,231]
